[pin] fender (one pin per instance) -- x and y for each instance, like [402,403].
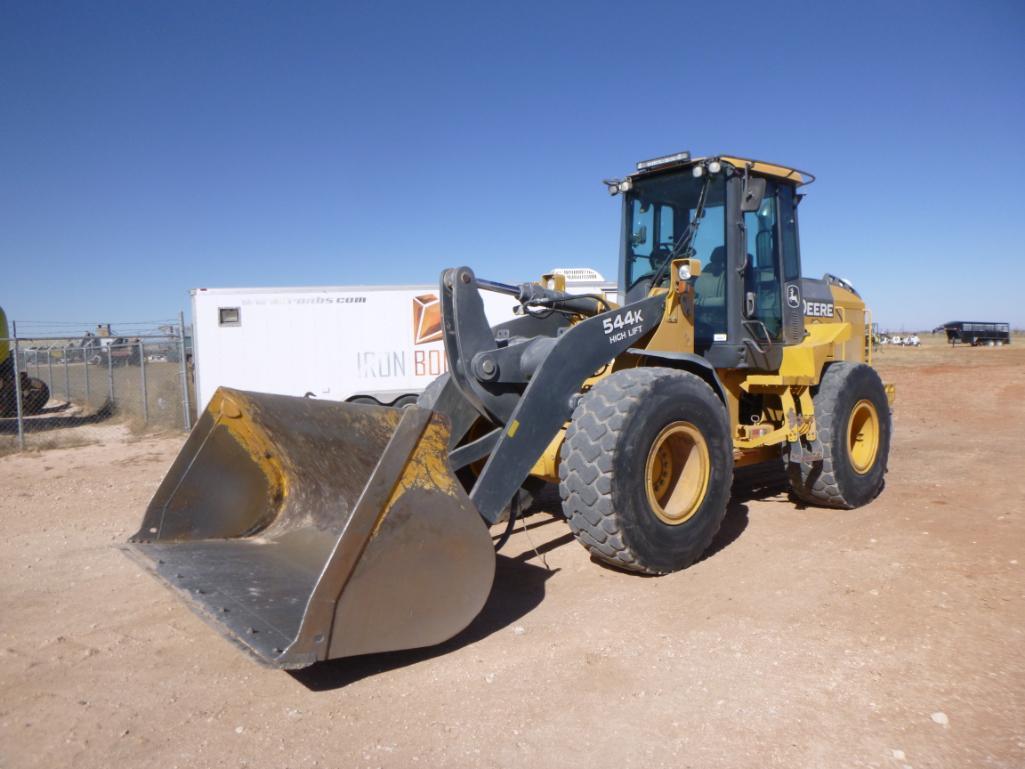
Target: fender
[689,362]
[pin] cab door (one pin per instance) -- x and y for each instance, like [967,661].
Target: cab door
[772,302]
[793,302]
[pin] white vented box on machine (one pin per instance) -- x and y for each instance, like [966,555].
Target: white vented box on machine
[334,342]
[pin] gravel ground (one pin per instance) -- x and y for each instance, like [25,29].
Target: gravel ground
[889,636]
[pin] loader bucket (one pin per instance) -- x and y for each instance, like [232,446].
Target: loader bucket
[306,530]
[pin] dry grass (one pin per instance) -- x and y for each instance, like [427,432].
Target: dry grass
[80,403]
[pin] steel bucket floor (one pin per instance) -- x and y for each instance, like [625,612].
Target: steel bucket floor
[257,591]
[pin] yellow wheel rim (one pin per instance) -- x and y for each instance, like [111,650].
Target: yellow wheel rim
[676,474]
[863,436]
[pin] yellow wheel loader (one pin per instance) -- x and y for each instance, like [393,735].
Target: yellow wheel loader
[307,530]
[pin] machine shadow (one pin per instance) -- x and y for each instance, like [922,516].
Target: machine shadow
[55,418]
[761,481]
[754,482]
[751,483]
[519,587]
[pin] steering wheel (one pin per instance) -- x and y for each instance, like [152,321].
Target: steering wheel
[657,258]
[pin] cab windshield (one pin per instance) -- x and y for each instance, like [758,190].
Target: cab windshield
[659,209]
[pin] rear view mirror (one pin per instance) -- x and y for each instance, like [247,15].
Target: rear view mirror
[754,191]
[641,236]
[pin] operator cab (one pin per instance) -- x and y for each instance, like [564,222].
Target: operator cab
[739,218]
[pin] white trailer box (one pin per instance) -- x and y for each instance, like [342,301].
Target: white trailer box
[334,342]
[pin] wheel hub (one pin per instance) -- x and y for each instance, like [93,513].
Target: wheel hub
[677,472]
[863,436]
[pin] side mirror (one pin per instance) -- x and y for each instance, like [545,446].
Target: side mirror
[754,191]
[641,236]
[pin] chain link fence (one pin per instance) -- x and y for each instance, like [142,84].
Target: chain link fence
[60,390]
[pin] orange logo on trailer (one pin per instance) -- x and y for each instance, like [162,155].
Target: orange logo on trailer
[426,319]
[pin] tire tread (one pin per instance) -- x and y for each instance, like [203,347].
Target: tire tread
[586,466]
[824,488]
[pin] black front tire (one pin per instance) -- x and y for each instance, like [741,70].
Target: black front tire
[603,464]
[835,481]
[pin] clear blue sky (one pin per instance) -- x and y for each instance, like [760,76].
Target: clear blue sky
[150,147]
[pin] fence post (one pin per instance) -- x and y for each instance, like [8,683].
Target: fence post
[184,371]
[110,374]
[49,367]
[67,377]
[142,377]
[85,366]
[17,388]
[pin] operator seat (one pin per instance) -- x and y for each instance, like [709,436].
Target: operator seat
[710,296]
[710,285]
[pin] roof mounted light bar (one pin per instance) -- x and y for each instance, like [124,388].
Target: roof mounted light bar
[665,160]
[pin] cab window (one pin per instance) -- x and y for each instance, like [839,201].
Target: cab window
[762,285]
[788,217]
[666,229]
[660,208]
[642,231]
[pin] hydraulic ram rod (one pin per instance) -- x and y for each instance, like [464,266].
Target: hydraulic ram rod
[540,296]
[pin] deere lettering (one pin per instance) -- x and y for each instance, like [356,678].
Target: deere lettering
[818,309]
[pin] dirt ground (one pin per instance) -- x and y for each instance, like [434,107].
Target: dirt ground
[890,636]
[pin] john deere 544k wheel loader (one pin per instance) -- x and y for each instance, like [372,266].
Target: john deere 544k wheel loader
[307,530]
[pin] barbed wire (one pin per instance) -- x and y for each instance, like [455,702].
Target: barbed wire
[98,322]
[76,329]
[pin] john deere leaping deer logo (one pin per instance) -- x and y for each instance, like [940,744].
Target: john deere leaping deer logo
[426,319]
[793,295]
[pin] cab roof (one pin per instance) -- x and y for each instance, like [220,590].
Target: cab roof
[770,169]
[683,159]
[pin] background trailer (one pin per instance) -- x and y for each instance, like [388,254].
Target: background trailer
[344,343]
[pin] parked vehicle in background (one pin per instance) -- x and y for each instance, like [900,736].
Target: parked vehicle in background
[121,351]
[363,344]
[909,340]
[976,332]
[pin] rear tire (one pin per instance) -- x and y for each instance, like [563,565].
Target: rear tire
[646,469]
[852,422]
